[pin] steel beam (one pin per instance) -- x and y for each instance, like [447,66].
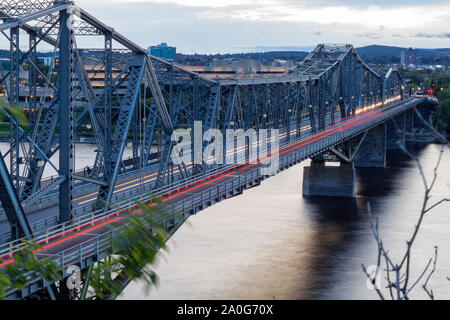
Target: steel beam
[66,155]
[11,204]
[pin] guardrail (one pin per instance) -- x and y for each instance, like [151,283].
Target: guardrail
[53,196]
[48,227]
[97,248]
[92,216]
[45,231]
[134,192]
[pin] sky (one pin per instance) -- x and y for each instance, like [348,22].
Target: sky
[222,26]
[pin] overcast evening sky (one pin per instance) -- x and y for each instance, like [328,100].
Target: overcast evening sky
[209,26]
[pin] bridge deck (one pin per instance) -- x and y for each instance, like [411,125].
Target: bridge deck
[91,241]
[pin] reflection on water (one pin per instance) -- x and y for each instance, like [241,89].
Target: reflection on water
[272,242]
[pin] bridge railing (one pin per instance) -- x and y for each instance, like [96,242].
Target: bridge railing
[100,246]
[85,215]
[48,224]
[89,216]
[52,198]
[82,221]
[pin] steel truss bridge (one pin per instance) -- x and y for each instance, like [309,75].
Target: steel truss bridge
[123,97]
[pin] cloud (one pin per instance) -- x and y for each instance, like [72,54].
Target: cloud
[369,35]
[431,35]
[227,25]
[422,35]
[371,17]
[200,3]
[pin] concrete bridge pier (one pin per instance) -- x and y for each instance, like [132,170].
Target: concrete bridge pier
[396,132]
[339,181]
[372,150]
[329,181]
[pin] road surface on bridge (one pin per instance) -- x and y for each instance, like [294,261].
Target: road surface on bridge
[81,234]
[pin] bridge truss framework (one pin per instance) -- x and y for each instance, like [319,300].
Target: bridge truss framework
[123,96]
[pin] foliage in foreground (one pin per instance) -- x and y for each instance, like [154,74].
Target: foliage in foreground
[134,251]
[27,266]
[442,122]
[134,248]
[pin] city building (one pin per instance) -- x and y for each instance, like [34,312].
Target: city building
[408,57]
[443,54]
[5,67]
[46,60]
[25,94]
[163,51]
[235,67]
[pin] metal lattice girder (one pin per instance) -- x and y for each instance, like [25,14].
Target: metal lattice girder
[393,84]
[140,88]
[150,127]
[11,204]
[123,123]
[13,96]
[107,113]
[165,163]
[330,77]
[66,113]
[301,103]
[17,8]
[35,197]
[230,107]
[32,78]
[87,95]
[81,28]
[44,141]
[31,58]
[312,104]
[157,95]
[210,116]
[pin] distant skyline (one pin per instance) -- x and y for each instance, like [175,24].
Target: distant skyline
[229,26]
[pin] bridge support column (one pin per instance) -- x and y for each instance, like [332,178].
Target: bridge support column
[396,132]
[372,151]
[320,180]
[409,121]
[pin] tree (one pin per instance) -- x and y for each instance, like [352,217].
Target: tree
[397,274]
[442,121]
[134,248]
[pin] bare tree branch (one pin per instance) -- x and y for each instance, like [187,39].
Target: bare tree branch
[373,281]
[425,285]
[435,132]
[398,275]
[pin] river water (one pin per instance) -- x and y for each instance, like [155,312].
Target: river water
[271,243]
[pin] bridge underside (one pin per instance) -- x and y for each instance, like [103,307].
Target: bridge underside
[367,150]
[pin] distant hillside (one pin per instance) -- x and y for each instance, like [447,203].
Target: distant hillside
[374,54]
[389,54]
[378,51]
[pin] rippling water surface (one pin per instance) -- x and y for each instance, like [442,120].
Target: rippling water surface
[271,242]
